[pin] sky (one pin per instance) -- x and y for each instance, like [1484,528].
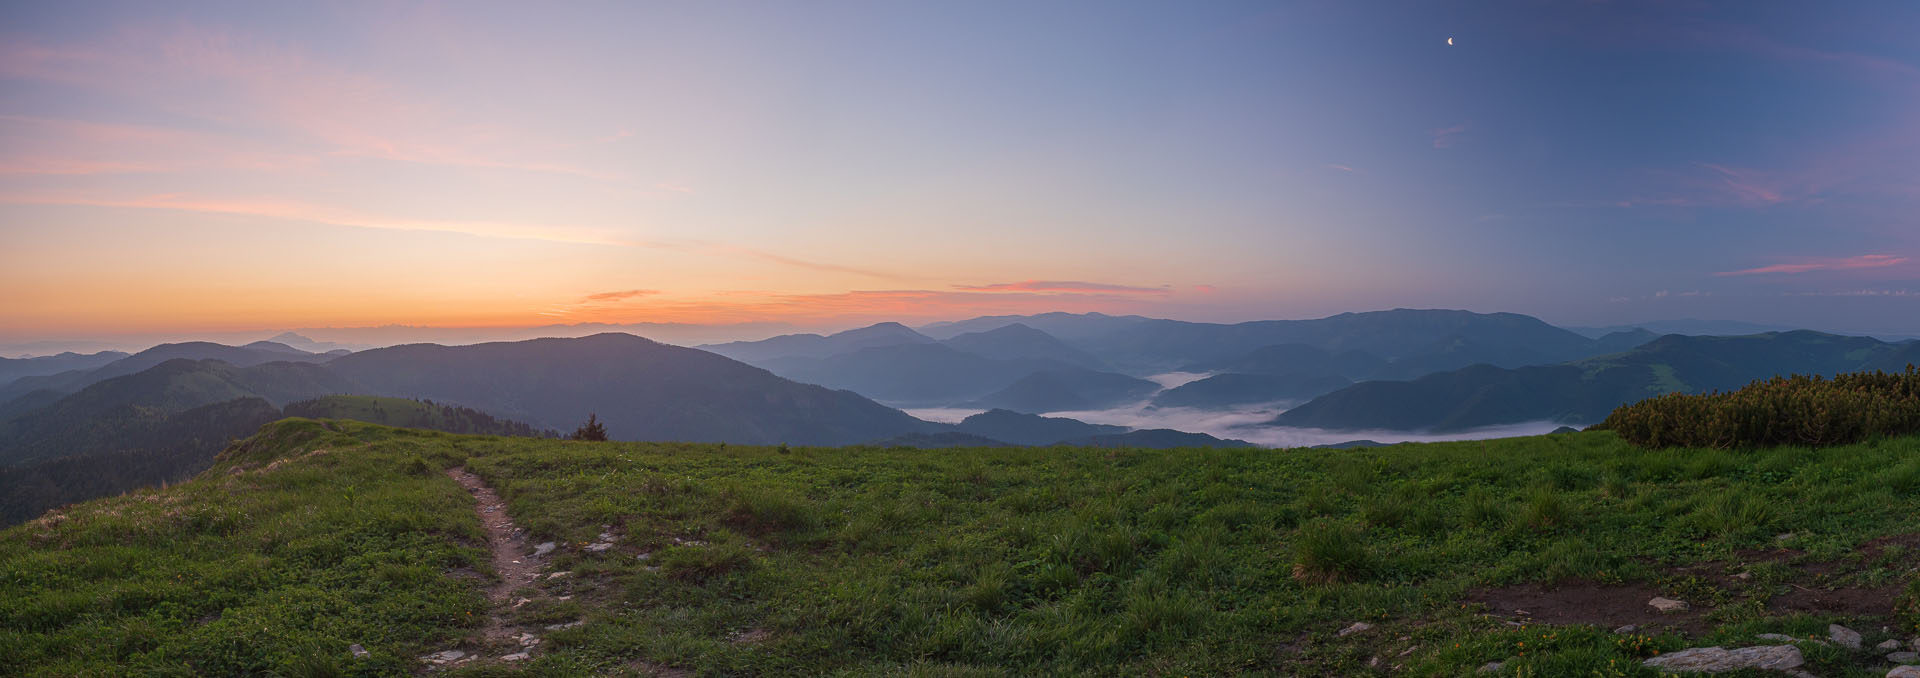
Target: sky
[194,167]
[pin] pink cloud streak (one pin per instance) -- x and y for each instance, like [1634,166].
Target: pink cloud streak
[1811,265]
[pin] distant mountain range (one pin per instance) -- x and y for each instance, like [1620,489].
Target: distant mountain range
[1058,362]
[153,413]
[15,368]
[75,379]
[1584,391]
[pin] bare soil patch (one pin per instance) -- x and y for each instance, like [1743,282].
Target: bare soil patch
[1853,602]
[1587,602]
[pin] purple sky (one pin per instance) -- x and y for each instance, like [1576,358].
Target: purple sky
[213,167]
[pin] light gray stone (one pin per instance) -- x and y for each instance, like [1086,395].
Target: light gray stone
[1721,660]
[1903,657]
[597,547]
[1904,672]
[1889,646]
[1357,627]
[444,656]
[562,627]
[1667,605]
[515,657]
[356,650]
[543,549]
[1843,636]
[1624,630]
[1780,637]
[1491,667]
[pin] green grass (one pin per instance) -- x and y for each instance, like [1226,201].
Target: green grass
[862,561]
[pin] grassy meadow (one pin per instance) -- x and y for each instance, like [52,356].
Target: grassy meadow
[739,560]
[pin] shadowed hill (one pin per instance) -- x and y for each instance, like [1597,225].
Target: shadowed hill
[1019,341]
[237,356]
[124,412]
[912,374]
[408,413]
[1226,390]
[1031,429]
[1068,390]
[642,390]
[1296,359]
[817,346]
[15,368]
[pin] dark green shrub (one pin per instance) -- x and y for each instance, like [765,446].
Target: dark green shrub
[1796,410]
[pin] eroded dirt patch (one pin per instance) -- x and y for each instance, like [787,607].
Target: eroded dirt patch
[1851,602]
[1587,602]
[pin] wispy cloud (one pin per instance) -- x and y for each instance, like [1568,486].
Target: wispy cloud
[1066,286]
[1708,184]
[1450,137]
[853,305]
[1346,169]
[237,87]
[320,214]
[1825,264]
[298,211]
[50,146]
[1856,293]
[621,295]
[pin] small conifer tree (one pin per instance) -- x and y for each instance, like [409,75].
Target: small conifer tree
[592,430]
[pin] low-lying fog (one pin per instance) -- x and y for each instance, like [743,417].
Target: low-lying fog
[1245,422]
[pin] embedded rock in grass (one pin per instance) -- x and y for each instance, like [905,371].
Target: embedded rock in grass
[1490,667]
[1903,657]
[1904,672]
[1357,627]
[1888,646]
[444,656]
[1624,630]
[1781,637]
[565,626]
[597,547]
[1667,605]
[1721,660]
[1845,637]
[356,650]
[517,656]
[543,549]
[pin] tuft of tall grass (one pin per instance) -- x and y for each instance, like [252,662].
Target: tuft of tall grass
[1481,507]
[1327,552]
[1544,509]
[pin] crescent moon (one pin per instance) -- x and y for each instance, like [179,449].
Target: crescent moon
[1449,41]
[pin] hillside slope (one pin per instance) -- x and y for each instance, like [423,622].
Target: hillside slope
[641,390]
[237,356]
[313,537]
